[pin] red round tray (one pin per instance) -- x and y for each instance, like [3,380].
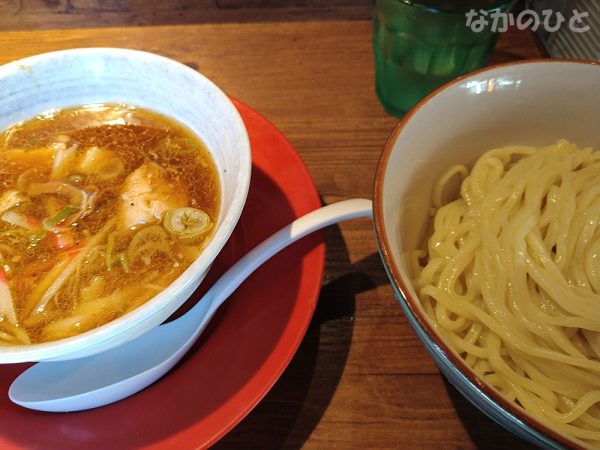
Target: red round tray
[241,354]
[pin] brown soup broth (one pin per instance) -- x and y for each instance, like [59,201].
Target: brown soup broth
[101,207]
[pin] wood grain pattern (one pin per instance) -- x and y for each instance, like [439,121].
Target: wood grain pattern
[360,379]
[60,14]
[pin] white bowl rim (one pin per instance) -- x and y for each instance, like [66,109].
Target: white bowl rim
[104,333]
[411,304]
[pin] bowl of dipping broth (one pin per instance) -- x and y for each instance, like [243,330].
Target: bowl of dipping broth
[486,203]
[123,175]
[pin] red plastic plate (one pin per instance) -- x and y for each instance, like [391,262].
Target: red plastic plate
[243,351]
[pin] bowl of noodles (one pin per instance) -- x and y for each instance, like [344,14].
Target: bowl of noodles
[487,202]
[122,175]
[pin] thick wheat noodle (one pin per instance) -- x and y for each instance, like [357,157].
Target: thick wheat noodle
[510,277]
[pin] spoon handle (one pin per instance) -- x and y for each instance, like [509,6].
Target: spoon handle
[313,221]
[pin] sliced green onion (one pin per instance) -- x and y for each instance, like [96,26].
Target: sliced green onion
[37,237]
[148,241]
[50,223]
[123,260]
[187,223]
[110,246]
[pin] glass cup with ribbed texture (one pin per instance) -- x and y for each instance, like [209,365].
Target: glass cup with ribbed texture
[420,45]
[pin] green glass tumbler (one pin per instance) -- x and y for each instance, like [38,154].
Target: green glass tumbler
[420,45]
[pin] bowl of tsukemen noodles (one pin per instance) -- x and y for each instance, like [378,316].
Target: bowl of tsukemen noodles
[487,210]
[122,175]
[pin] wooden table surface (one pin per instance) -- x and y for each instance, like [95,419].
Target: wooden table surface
[360,379]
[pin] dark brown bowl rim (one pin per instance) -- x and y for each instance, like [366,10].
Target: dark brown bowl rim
[413,304]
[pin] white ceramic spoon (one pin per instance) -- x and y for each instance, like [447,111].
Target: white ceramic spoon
[117,373]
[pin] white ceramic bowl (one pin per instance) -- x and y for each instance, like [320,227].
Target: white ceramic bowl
[528,103]
[80,76]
